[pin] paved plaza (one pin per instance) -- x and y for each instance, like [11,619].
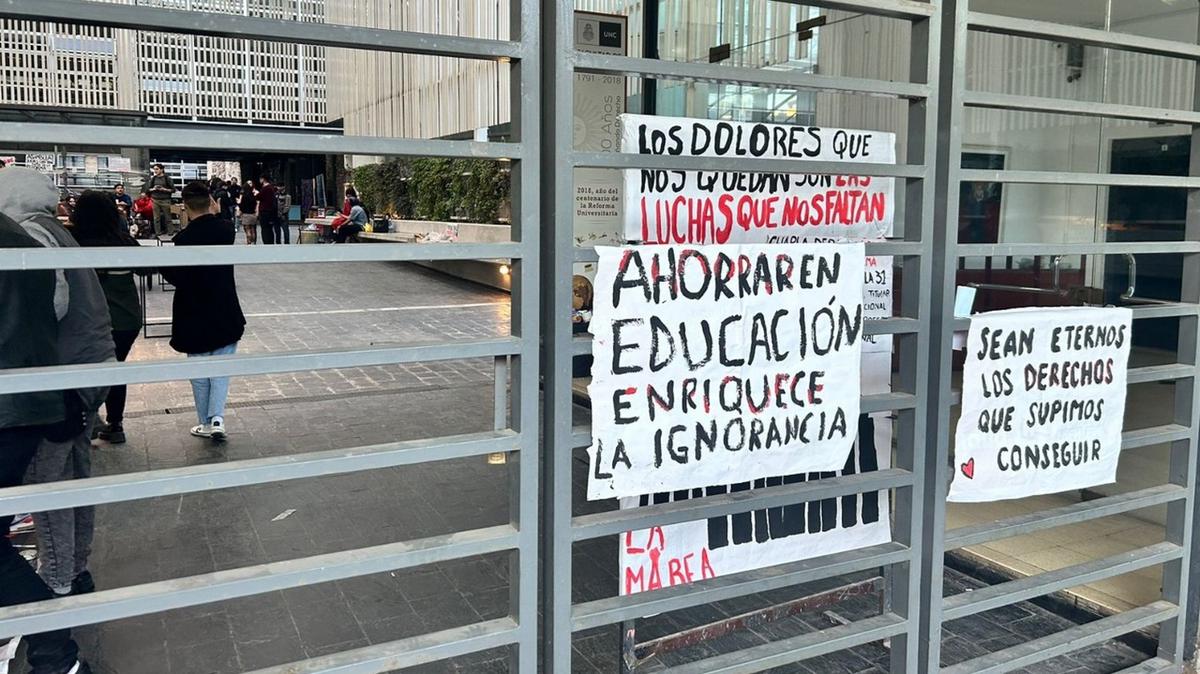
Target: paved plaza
[335,306]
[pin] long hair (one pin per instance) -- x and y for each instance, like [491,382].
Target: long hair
[97,222]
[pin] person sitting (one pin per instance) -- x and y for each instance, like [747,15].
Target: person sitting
[354,225]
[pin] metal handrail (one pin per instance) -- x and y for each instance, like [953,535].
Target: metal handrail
[1057,289]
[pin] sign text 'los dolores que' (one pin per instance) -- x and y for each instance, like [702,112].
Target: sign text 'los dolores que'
[721,361]
[707,207]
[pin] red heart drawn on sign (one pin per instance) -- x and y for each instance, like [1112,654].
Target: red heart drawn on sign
[968,469]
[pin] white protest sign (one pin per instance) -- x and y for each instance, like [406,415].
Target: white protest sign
[721,363]
[1043,402]
[877,302]
[683,553]
[701,207]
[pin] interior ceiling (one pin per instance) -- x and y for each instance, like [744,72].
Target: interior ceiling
[1083,12]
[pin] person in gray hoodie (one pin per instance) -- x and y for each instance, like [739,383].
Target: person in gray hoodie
[28,335]
[84,336]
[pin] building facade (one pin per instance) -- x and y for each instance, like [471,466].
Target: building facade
[168,76]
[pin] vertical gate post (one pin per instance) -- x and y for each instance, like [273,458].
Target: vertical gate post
[914,452]
[557,226]
[524,88]
[1181,515]
[949,78]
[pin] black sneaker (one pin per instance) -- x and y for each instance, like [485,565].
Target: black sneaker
[113,434]
[80,667]
[83,584]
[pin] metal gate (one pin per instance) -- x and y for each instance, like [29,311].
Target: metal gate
[1178,489]
[515,356]
[535,418]
[914,249]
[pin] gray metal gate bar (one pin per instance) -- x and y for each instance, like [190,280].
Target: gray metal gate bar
[1030,587]
[217,586]
[195,22]
[987,99]
[1092,37]
[586,527]
[616,609]
[20,380]
[206,477]
[1069,514]
[180,256]
[641,67]
[1183,457]
[271,141]
[409,652]
[786,651]
[1061,643]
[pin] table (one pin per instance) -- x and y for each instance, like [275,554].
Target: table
[324,225]
[144,285]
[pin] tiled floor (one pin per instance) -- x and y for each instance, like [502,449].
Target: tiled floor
[1064,546]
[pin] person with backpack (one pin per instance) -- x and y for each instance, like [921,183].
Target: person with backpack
[161,187]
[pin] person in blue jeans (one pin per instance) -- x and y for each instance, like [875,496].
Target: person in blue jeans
[206,317]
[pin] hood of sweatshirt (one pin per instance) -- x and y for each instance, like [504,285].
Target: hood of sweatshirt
[25,193]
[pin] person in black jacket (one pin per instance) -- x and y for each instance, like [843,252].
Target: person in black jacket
[248,205]
[28,338]
[207,318]
[98,223]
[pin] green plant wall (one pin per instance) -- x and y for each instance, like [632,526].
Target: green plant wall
[429,188]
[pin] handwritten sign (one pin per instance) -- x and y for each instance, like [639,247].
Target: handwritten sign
[714,362]
[682,553]
[1043,402]
[701,207]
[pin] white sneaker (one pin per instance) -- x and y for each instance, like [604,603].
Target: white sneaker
[21,524]
[217,429]
[8,652]
[202,431]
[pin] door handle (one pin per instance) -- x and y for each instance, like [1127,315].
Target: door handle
[1129,293]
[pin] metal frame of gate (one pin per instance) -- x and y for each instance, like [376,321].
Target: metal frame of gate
[543,63]
[1178,493]
[915,246]
[518,630]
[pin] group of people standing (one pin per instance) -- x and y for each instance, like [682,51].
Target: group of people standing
[258,204]
[80,316]
[264,206]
